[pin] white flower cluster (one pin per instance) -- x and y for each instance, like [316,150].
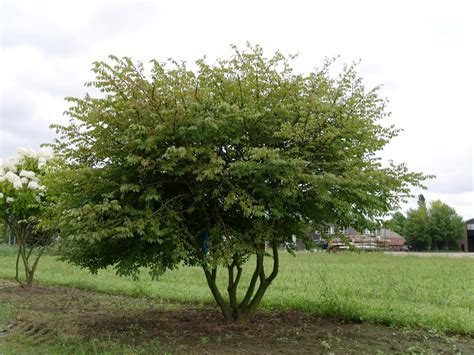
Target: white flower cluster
[9,171]
[10,164]
[8,199]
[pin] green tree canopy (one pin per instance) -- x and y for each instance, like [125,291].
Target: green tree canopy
[397,223]
[446,227]
[210,166]
[436,226]
[416,229]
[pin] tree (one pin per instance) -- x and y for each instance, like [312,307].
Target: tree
[22,202]
[446,227]
[397,223]
[421,201]
[210,167]
[437,226]
[416,229]
[416,226]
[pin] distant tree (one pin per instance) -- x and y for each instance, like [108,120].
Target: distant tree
[397,223]
[446,227]
[437,226]
[416,229]
[22,203]
[421,201]
[215,166]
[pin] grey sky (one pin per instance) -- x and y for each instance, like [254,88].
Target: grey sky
[420,51]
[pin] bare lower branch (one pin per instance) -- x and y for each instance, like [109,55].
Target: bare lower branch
[276,263]
[35,264]
[237,278]
[231,290]
[253,282]
[29,252]
[16,266]
[211,281]
[264,283]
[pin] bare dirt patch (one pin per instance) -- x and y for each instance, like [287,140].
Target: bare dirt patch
[43,312]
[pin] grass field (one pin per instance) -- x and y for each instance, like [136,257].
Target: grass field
[64,320]
[433,293]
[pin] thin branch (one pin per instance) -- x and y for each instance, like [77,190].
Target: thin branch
[276,263]
[31,251]
[237,278]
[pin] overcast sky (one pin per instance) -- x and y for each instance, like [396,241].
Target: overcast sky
[422,52]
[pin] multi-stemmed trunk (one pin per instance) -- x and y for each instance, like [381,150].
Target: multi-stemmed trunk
[22,230]
[29,267]
[233,310]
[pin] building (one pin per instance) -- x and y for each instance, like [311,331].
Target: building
[382,239]
[467,244]
[395,242]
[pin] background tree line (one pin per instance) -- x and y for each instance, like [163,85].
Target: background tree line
[436,226]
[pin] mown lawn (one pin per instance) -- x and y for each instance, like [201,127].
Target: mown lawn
[434,293]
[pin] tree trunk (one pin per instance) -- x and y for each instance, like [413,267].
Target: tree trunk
[243,311]
[22,233]
[17,267]
[31,271]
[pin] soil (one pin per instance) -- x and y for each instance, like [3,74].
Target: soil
[43,312]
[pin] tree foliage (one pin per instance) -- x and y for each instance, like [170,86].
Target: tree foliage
[22,205]
[446,227]
[208,167]
[433,227]
[397,223]
[416,229]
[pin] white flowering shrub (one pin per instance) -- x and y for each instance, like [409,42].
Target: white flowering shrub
[22,202]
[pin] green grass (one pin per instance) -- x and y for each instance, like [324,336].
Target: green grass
[435,293]
[7,312]
[65,344]
[7,251]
